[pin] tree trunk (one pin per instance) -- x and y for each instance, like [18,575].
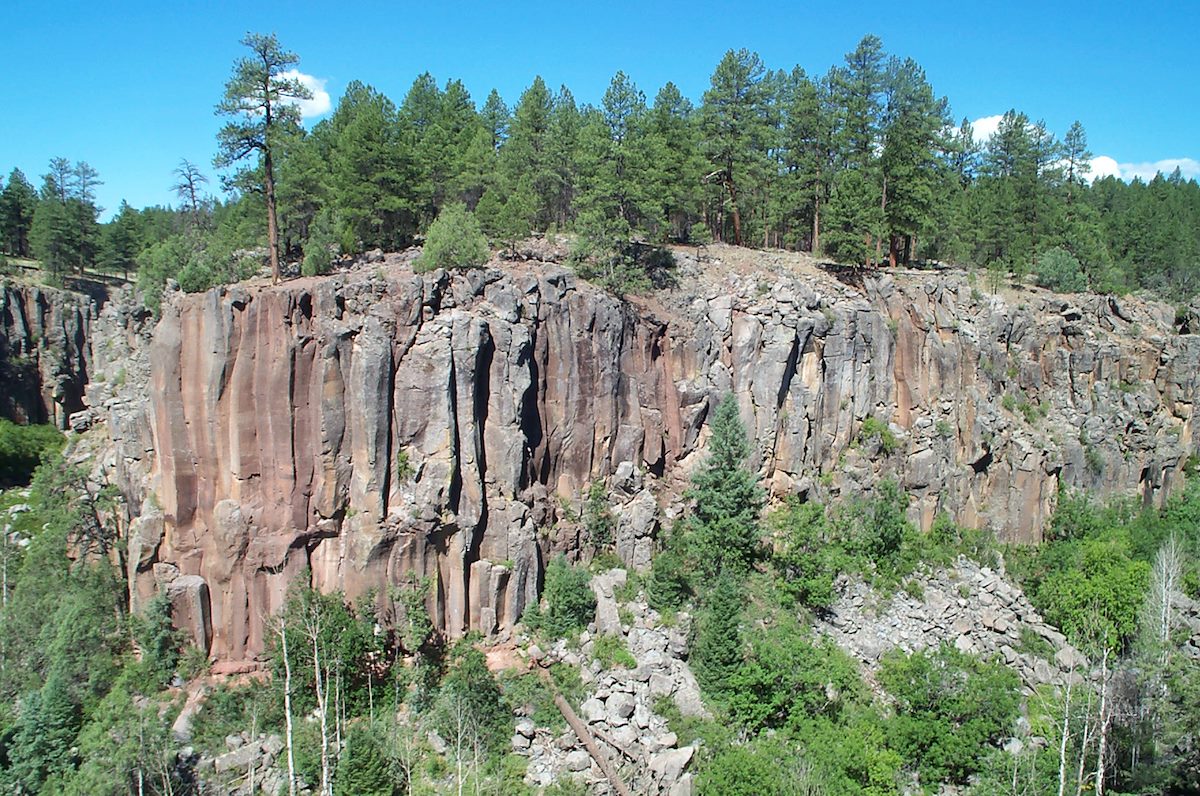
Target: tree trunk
[816,228]
[1066,734]
[883,218]
[1105,711]
[737,214]
[272,220]
[287,709]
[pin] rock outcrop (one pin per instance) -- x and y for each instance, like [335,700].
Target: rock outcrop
[45,353]
[619,706]
[378,422]
[972,607]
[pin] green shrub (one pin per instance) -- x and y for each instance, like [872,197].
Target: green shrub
[318,249]
[22,448]
[873,428]
[1059,271]
[805,556]
[764,765]
[950,709]
[668,587]
[597,518]
[454,240]
[788,679]
[570,603]
[611,652]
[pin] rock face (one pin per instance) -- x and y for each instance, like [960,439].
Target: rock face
[374,423]
[45,353]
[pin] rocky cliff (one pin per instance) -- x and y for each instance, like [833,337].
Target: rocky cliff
[45,352]
[377,422]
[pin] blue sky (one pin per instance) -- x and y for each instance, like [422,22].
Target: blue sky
[130,87]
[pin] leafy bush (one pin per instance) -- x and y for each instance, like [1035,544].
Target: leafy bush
[21,450]
[1059,271]
[765,765]
[318,249]
[667,587]
[160,644]
[454,240]
[470,701]
[874,428]
[611,652]
[597,518]
[950,707]
[787,679]
[805,556]
[570,603]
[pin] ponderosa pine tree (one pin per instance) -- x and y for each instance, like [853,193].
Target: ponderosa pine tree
[562,150]
[858,101]
[734,128]
[525,158]
[18,201]
[370,164]
[909,163]
[675,163]
[260,100]
[495,118]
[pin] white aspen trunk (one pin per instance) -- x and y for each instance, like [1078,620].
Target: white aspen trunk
[253,739]
[1105,710]
[1066,734]
[322,707]
[1083,747]
[287,709]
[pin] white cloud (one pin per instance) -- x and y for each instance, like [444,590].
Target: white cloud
[320,102]
[1104,166]
[984,128]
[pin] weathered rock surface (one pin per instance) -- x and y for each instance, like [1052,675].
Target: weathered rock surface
[366,425]
[619,708]
[45,353]
[972,607]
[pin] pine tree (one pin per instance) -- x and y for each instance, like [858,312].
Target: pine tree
[371,186]
[728,500]
[734,131]
[913,123]
[44,735]
[362,768]
[674,166]
[525,158]
[858,98]
[54,234]
[716,652]
[259,100]
[807,155]
[495,117]
[18,201]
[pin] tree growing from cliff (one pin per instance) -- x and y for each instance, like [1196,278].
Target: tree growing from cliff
[260,100]
[728,500]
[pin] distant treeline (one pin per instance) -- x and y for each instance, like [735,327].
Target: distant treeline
[863,164]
